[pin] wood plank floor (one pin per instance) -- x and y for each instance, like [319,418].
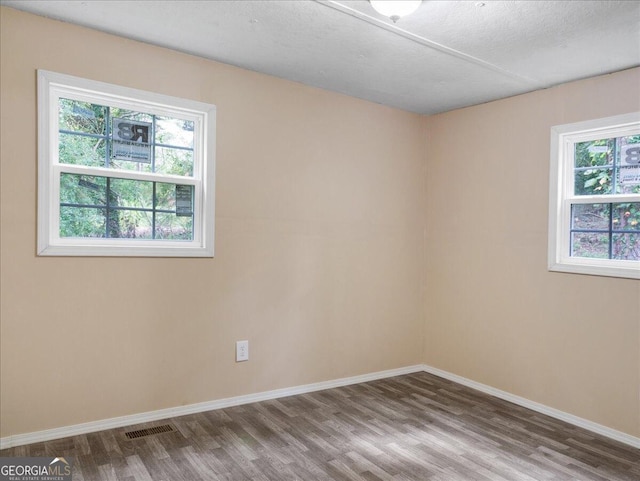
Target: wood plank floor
[408,428]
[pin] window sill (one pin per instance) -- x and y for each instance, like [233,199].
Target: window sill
[598,267]
[170,249]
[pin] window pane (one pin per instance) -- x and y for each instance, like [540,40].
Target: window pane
[130,114]
[625,234]
[174,161]
[586,244]
[79,150]
[590,216]
[131,193]
[628,180]
[606,166]
[123,218]
[131,141]
[82,222]
[626,247]
[629,170]
[83,189]
[129,165]
[626,216]
[593,181]
[131,224]
[81,117]
[175,132]
[166,196]
[594,153]
[170,226]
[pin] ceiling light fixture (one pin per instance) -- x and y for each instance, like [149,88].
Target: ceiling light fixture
[395,9]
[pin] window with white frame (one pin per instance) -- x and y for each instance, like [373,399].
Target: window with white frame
[594,209]
[123,172]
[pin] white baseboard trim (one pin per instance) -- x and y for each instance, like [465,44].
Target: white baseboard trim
[95,426]
[541,408]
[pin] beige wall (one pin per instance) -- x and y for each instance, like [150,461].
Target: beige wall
[321,259]
[494,313]
[318,246]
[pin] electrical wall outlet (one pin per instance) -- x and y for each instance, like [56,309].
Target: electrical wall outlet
[242,351]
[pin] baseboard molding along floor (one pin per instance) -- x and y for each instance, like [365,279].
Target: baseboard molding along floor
[94,426]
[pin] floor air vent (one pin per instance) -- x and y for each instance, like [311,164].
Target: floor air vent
[140,433]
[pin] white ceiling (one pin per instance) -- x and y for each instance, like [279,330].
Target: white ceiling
[449,54]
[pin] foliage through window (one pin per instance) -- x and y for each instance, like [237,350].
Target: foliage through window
[595,197]
[123,172]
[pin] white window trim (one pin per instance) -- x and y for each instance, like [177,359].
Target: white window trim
[563,138]
[51,86]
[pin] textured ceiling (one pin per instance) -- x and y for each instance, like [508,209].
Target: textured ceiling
[449,54]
